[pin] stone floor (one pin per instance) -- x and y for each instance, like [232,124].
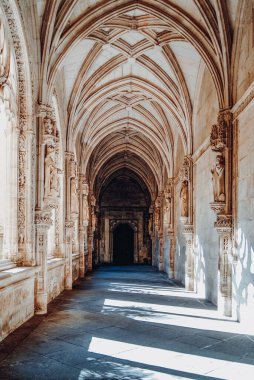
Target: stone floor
[128,323]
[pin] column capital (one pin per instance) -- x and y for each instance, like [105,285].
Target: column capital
[42,219]
[223,224]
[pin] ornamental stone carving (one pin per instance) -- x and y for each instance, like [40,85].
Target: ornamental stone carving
[218,177]
[74,197]
[157,214]
[51,183]
[185,171]
[49,129]
[220,131]
[184,199]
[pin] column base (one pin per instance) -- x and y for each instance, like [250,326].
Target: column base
[189,284]
[41,303]
[225,306]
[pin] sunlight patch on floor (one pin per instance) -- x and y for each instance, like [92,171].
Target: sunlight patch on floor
[172,360]
[172,315]
[152,290]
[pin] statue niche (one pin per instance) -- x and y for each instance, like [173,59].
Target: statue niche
[51,185]
[184,197]
[218,177]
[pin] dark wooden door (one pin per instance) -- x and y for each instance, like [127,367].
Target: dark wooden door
[123,245]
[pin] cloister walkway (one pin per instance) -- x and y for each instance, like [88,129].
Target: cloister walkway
[128,323]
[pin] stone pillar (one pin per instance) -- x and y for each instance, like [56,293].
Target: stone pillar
[83,222]
[71,213]
[223,226]
[172,242]
[159,229]
[81,251]
[68,254]
[186,197]
[30,190]
[221,144]
[90,251]
[12,235]
[189,258]
[42,223]
[169,228]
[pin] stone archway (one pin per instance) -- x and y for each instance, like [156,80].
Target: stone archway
[123,244]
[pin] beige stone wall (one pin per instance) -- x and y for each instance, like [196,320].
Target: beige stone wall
[206,241]
[16,298]
[244,74]
[244,278]
[205,109]
[75,268]
[55,278]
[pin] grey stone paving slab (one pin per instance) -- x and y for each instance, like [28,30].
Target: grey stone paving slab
[116,325]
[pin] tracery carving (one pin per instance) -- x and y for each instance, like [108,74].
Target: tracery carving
[22,119]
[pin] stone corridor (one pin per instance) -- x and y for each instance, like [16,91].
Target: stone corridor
[128,323]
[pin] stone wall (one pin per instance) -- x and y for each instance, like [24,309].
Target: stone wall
[75,268]
[244,278]
[55,278]
[206,241]
[16,298]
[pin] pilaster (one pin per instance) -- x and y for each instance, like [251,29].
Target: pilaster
[186,195]
[221,144]
[188,233]
[42,224]
[68,254]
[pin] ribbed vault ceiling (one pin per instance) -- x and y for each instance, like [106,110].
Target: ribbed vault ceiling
[130,70]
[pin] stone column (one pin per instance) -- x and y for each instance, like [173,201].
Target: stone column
[221,144]
[70,214]
[172,242]
[83,221]
[42,224]
[186,197]
[90,251]
[223,226]
[30,259]
[12,210]
[189,258]
[169,228]
[68,254]
[158,228]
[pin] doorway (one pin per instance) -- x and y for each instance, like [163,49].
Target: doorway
[123,245]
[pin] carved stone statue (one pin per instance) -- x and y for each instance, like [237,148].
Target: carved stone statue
[218,173]
[184,196]
[51,185]
[74,197]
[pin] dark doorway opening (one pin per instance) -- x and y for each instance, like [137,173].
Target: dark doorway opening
[123,245]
